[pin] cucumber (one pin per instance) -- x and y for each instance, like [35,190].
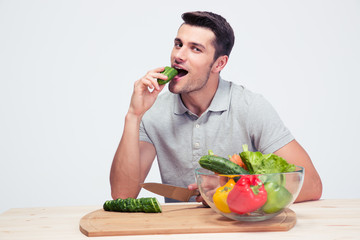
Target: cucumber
[170,73]
[148,205]
[221,165]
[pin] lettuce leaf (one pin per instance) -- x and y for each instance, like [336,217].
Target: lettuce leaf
[258,163]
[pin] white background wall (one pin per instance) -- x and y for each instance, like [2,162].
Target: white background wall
[67,70]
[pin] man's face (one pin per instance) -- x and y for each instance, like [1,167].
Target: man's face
[193,56]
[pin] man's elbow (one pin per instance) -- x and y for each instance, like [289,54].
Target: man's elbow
[312,193]
[318,190]
[124,193]
[116,195]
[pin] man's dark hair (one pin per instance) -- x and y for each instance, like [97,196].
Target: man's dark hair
[224,34]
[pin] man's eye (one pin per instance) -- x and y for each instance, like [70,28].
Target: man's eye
[196,49]
[179,45]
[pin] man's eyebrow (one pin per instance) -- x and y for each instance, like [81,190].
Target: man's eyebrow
[198,45]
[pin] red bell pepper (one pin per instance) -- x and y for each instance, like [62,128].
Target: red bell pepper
[248,195]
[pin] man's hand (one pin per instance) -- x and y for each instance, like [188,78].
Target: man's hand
[199,198]
[146,91]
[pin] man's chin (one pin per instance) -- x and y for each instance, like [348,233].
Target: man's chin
[173,87]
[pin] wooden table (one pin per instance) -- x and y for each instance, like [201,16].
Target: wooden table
[324,219]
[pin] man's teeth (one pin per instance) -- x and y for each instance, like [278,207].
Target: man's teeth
[179,68]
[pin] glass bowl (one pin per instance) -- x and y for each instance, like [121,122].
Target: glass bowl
[229,194]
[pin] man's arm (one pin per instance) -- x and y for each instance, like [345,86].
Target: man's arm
[132,161]
[295,154]
[133,158]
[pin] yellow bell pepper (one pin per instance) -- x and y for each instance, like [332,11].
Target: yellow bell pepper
[221,194]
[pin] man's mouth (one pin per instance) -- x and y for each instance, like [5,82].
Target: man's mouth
[181,72]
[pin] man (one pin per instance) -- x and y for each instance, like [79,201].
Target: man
[201,111]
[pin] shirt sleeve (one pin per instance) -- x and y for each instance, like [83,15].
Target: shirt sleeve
[268,132]
[143,136]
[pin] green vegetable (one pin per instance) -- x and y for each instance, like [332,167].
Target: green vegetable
[148,205]
[221,165]
[170,73]
[258,163]
[278,197]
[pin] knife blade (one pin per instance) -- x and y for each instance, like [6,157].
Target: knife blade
[170,191]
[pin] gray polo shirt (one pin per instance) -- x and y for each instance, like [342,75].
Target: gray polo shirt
[236,116]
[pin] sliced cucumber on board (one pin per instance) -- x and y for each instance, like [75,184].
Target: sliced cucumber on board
[148,205]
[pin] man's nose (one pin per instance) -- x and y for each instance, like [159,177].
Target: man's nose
[180,55]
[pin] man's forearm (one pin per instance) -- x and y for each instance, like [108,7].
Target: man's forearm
[125,174]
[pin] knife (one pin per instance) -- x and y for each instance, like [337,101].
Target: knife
[169,191]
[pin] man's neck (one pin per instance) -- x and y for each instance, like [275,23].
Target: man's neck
[199,101]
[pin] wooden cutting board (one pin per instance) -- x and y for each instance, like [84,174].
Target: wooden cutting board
[176,219]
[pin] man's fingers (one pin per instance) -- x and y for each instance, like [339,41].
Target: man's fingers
[152,77]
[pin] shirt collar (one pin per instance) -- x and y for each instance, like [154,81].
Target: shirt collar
[219,103]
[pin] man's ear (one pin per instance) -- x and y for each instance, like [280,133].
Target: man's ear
[220,63]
